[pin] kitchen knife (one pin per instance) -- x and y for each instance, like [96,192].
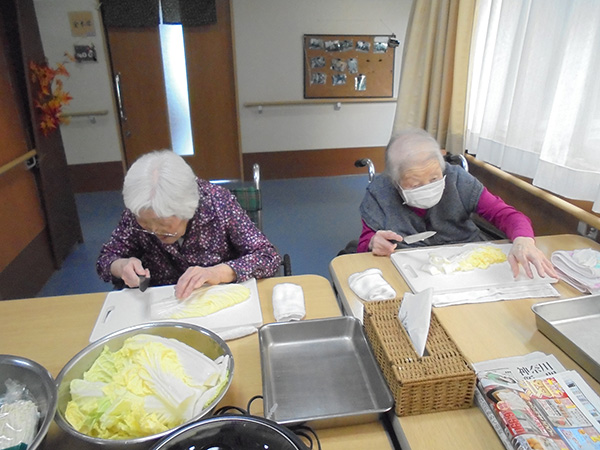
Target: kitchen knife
[144,282]
[416,237]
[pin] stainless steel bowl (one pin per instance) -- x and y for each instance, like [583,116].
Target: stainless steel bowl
[230,432]
[197,337]
[39,383]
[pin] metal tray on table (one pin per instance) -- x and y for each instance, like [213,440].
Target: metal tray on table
[574,326]
[321,372]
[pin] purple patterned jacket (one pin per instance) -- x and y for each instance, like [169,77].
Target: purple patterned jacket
[219,232]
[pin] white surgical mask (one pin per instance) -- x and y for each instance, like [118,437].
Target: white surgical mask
[426,196]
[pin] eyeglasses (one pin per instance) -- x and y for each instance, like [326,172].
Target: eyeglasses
[154,233]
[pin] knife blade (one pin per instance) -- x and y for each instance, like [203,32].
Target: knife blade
[418,237]
[411,239]
[144,282]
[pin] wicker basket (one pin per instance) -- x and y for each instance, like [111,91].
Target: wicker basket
[440,381]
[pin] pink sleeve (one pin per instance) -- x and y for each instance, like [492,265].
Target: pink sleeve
[365,237]
[512,222]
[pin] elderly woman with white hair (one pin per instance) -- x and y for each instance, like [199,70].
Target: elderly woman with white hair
[419,192]
[182,230]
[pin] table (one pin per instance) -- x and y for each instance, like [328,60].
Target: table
[482,331]
[52,330]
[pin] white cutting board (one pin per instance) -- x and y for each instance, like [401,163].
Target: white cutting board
[410,262]
[128,307]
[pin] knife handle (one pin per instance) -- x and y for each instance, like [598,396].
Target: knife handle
[144,282]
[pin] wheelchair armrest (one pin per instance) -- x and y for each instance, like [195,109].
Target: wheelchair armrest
[487,228]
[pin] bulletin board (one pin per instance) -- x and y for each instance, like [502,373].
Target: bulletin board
[348,66]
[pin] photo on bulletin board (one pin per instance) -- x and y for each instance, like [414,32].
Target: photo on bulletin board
[348,66]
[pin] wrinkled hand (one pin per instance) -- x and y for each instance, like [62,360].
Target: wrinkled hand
[524,252]
[129,270]
[196,276]
[380,243]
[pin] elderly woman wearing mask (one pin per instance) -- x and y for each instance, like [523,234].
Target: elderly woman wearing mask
[179,229]
[419,192]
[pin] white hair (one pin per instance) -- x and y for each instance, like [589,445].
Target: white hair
[163,182]
[409,149]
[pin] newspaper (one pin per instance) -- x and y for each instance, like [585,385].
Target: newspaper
[533,403]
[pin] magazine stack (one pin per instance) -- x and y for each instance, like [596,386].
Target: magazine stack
[533,403]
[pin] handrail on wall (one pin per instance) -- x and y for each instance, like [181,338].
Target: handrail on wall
[91,115]
[337,102]
[579,213]
[103,112]
[15,162]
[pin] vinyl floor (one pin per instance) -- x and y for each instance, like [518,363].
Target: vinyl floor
[311,219]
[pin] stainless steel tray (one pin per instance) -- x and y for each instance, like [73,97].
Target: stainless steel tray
[321,372]
[574,326]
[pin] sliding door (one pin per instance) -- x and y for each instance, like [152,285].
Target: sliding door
[139,83]
[147,73]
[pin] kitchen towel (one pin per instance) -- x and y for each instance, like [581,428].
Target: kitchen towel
[580,268]
[288,302]
[370,285]
[495,294]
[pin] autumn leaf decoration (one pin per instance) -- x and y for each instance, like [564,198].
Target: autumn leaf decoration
[50,97]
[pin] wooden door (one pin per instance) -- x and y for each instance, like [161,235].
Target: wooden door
[38,213]
[136,60]
[21,215]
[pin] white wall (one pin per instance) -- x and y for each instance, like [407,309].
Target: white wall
[89,83]
[268,49]
[269,58]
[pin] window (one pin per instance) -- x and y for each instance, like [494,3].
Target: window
[534,95]
[176,86]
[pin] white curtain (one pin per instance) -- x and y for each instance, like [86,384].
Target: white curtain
[534,93]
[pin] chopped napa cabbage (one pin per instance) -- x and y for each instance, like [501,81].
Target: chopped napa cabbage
[202,302]
[150,385]
[481,257]
[18,423]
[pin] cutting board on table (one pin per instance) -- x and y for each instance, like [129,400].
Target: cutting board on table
[410,265]
[128,307]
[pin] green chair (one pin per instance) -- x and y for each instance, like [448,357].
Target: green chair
[249,197]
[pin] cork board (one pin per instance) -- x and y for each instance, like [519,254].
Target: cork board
[348,66]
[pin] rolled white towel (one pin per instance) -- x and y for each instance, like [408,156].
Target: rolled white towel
[288,302]
[370,285]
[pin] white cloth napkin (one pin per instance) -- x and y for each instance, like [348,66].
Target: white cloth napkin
[288,302]
[495,294]
[370,285]
[580,268]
